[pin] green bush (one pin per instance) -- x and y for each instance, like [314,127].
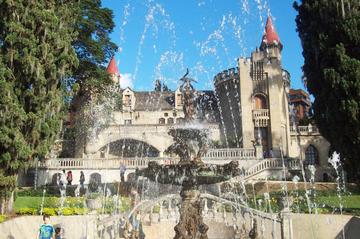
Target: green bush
[75,202]
[156,209]
[26,211]
[80,211]
[67,211]
[49,211]
[2,218]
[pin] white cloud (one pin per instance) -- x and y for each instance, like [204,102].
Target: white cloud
[126,80]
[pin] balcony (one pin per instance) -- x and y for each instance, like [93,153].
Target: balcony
[304,130]
[261,117]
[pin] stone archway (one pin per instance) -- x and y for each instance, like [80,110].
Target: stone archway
[130,148]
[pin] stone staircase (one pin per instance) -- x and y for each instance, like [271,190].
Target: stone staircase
[274,164]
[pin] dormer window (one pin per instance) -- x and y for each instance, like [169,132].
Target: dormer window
[127,100]
[179,99]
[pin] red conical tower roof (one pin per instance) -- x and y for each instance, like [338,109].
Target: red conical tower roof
[112,68]
[270,36]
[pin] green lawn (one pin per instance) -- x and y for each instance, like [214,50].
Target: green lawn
[29,202]
[35,202]
[349,202]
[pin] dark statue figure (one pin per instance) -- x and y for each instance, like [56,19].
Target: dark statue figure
[189,97]
[190,144]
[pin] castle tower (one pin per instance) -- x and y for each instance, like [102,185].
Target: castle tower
[270,93]
[253,99]
[113,70]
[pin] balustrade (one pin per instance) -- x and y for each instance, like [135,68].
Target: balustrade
[304,129]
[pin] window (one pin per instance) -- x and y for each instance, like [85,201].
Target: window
[161,121]
[170,120]
[128,122]
[174,114]
[260,102]
[180,120]
[166,114]
[311,156]
[179,100]
[127,100]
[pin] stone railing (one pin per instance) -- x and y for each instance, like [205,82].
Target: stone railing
[102,163]
[169,210]
[310,129]
[267,164]
[138,162]
[261,113]
[229,153]
[261,117]
[140,128]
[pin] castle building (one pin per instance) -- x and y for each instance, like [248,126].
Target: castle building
[248,113]
[255,95]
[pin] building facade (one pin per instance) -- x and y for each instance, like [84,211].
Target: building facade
[249,110]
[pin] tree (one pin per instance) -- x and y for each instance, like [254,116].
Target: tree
[35,57]
[330,35]
[90,82]
[93,47]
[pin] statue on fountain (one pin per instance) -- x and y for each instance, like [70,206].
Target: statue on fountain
[190,144]
[189,97]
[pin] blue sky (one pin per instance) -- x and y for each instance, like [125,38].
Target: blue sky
[159,39]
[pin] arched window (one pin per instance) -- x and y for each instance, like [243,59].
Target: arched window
[260,102]
[180,120]
[162,121]
[170,120]
[311,155]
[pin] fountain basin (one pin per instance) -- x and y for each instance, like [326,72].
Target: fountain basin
[190,173]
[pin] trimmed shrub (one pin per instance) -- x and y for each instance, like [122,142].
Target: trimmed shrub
[26,211]
[49,211]
[2,218]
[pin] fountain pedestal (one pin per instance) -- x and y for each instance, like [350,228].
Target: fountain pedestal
[191,224]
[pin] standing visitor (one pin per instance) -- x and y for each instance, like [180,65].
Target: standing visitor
[271,154]
[46,230]
[82,179]
[58,233]
[122,172]
[69,177]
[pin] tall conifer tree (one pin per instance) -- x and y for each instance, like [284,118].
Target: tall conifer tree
[330,36]
[36,55]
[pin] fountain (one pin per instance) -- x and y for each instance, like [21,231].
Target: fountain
[190,143]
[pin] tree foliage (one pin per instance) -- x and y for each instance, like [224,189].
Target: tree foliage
[93,47]
[91,84]
[330,35]
[36,55]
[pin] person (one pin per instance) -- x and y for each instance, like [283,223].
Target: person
[58,233]
[122,172]
[46,230]
[69,177]
[271,154]
[82,179]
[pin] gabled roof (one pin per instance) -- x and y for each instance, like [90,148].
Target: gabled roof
[154,101]
[270,36]
[112,68]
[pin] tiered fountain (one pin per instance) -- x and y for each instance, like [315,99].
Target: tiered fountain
[190,143]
